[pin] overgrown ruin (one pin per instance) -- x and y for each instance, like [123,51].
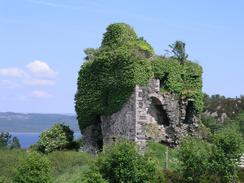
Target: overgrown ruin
[125,90]
[147,115]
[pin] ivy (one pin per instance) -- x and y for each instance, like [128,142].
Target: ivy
[181,79]
[109,74]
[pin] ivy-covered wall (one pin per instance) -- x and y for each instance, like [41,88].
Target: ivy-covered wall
[110,73]
[181,79]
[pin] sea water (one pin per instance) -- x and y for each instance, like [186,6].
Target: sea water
[28,138]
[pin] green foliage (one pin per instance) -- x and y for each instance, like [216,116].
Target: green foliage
[59,137]
[4,140]
[215,162]
[15,144]
[193,154]
[107,80]
[67,161]
[4,179]
[178,50]
[118,34]
[110,73]
[122,162]
[183,80]
[93,176]
[34,168]
[172,176]
[7,142]
[75,175]
[167,157]
[9,159]
[211,123]
[226,152]
[241,175]
[241,123]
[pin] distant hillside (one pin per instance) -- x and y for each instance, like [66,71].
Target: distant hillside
[34,122]
[221,107]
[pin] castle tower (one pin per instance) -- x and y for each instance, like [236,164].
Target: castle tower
[147,115]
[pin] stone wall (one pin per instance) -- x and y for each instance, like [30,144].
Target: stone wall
[147,115]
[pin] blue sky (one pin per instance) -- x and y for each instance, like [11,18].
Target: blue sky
[42,43]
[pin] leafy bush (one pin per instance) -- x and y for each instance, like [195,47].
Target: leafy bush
[122,162]
[193,154]
[34,168]
[59,137]
[4,179]
[215,162]
[93,176]
[226,154]
[172,176]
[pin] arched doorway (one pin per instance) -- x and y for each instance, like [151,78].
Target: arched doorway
[157,112]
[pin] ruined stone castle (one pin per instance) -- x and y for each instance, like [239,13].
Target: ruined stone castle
[148,115]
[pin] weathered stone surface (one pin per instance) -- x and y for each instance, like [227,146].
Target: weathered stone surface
[147,115]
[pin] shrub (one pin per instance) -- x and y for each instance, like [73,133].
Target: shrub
[59,137]
[4,179]
[34,168]
[193,154]
[226,154]
[93,176]
[122,162]
[172,176]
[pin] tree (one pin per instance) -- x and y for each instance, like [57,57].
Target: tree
[5,139]
[35,168]
[15,144]
[178,50]
[122,162]
[59,137]
[7,142]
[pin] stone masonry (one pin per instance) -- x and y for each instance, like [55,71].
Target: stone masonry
[147,115]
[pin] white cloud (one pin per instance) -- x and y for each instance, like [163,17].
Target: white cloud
[40,94]
[41,69]
[38,82]
[12,72]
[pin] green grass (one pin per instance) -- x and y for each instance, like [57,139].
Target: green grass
[68,166]
[9,160]
[166,156]
[64,161]
[74,175]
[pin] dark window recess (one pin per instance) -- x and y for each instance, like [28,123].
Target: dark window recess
[189,113]
[98,134]
[156,110]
